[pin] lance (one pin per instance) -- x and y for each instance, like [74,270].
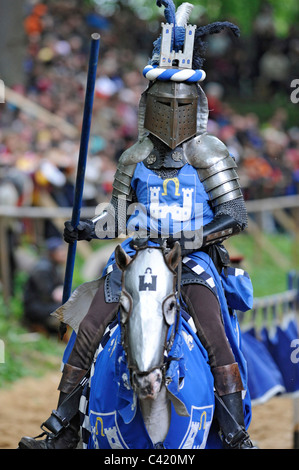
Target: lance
[81,167]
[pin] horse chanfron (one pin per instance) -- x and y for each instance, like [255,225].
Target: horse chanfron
[147,310]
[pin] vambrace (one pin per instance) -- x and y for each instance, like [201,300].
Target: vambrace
[222,227]
[111,222]
[230,219]
[219,229]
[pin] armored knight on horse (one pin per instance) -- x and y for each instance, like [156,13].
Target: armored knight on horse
[185,188]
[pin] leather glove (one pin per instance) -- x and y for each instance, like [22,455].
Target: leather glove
[188,244]
[84,231]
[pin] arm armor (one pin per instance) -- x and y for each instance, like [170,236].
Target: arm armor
[217,172]
[126,167]
[114,217]
[216,168]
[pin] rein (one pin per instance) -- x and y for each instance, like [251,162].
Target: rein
[165,360]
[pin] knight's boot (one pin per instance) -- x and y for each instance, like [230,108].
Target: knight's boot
[229,407]
[62,427]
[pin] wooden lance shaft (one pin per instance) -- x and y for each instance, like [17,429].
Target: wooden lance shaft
[85,132]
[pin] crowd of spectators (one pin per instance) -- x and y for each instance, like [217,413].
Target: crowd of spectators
[38,159]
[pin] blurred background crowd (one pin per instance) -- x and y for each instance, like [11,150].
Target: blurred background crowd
[36,156]
[248,86]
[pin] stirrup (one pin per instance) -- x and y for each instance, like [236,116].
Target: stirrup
[233,440]
[53,426]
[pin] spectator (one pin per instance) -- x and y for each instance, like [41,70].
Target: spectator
[44,288]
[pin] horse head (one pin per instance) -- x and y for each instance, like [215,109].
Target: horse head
[148,308]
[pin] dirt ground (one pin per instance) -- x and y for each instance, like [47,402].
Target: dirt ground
[26,404]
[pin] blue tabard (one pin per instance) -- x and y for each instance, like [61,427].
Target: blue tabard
[113,417]
[167,206]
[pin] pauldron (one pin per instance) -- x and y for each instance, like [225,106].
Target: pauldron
[216,168]
[126,167]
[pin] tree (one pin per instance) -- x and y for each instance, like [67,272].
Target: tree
[242,12]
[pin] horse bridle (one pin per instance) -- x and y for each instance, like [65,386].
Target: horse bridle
[126,306]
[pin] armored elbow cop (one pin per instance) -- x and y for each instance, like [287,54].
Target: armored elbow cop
[221,181]
[217,172]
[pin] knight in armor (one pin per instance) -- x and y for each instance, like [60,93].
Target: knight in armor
[185,186]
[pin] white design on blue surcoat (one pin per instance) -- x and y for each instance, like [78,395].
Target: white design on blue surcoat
[168,206]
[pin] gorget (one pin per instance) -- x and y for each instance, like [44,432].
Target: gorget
[163,157]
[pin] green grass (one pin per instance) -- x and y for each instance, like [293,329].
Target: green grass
[267,276]
[24,353]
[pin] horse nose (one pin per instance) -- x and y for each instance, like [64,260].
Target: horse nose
[147,385]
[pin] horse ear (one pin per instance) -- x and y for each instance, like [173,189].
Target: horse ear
[121,258]
[174,256]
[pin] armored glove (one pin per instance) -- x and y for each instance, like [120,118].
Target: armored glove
[84,231]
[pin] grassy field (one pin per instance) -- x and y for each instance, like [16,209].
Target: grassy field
[27,354]
[267,275]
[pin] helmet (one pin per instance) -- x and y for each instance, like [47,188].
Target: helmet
[171,111]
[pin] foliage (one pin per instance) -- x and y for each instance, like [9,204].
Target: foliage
[25,353]
[267,277]
[243,13]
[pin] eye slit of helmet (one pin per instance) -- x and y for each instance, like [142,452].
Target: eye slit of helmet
[166,103]
[185,104]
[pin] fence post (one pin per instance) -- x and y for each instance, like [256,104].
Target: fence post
[5,262]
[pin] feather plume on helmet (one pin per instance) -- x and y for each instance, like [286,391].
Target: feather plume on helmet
[179,19]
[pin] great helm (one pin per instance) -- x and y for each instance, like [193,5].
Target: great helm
[174,108]
[171,111]
[172,98]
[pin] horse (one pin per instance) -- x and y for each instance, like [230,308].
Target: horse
[150,385]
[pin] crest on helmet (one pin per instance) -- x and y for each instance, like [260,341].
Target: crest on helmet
[174,108]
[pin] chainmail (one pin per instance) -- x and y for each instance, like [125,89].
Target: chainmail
[165,173]
[236,209]
[159,145]
[120,207]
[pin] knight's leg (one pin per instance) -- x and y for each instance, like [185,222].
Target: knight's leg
[205,311]
[90,332]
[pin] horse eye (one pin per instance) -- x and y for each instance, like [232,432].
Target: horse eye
[125,306]
[125,302]
[169,309]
